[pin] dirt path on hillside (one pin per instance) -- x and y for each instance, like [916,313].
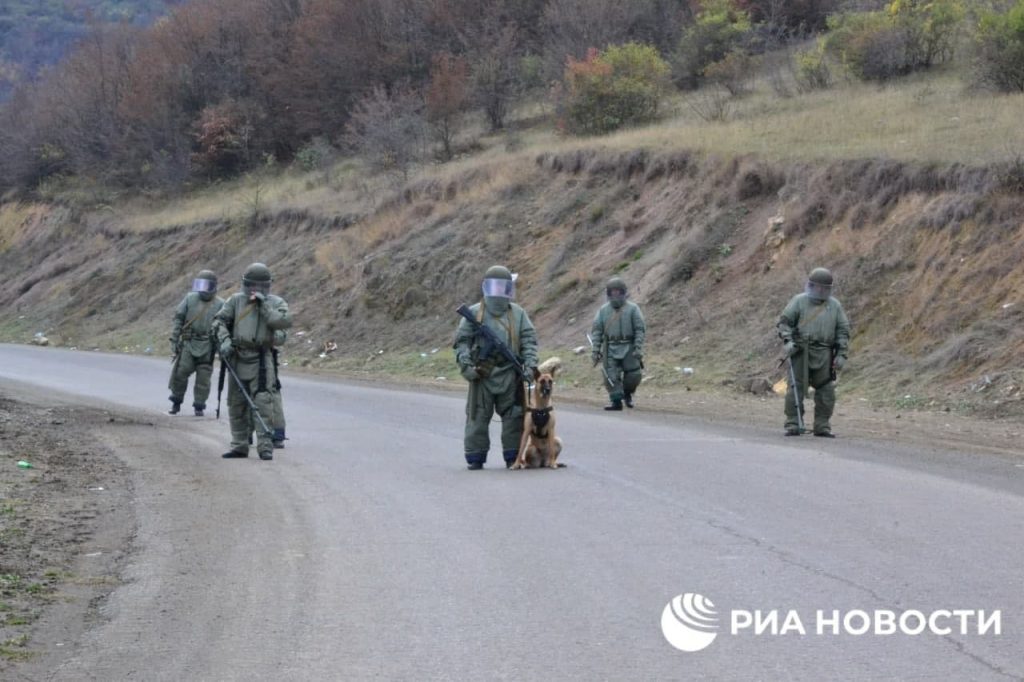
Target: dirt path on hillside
[66,528]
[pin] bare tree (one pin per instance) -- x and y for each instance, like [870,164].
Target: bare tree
[495,74]
[446,98]
[711,103]
[388,128]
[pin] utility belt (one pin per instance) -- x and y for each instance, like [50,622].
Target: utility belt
[250,347]
[628,339]
[192,336]
[812,345]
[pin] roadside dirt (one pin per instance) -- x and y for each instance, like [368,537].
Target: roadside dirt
[66,529]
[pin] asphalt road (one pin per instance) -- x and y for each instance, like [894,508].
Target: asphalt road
[366,550]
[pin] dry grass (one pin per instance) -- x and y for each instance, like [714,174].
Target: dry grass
[927,119]
[15,217]
[344,188]
[930,118]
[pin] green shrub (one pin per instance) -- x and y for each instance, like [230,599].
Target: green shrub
[908,35]
[812,71]
[314,155]
[719,29]
[868,45]
[623,85]
[929,27]
[735,72]
[531,72]
[999,49]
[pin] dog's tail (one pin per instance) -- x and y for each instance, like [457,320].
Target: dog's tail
[550,366]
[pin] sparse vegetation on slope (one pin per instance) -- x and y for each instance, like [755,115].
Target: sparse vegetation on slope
[712,246]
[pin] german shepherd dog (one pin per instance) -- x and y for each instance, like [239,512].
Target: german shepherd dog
[540,446]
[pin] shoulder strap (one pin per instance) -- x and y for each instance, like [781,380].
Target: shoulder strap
[512,338]
[245,313]
[608,323]
[202,309]
[803,324]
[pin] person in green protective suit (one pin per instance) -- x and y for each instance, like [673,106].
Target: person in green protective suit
[192,342]
[245,328]
[618,336]
[494,385]
[816,334]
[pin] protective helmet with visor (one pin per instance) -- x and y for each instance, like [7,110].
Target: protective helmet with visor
[205,284]
[819,284]
[499,282]
[256,279]
[616,291]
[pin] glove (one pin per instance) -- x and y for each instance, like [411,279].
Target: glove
[258,297]
[469,373]
[638,354]
[227,349]
[596,357]
[790,349]
[839,362]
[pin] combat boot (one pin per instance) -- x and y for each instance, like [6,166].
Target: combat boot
[235,454]
[616,406]
[199,412]
[175,407]
[279,439]
[266,454]
[475,460]
[510,457]
[629,400]
[199,408]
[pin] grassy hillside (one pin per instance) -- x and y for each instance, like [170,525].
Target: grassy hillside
[713,225]
[929,119]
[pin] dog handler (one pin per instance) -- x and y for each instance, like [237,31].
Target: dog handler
[494,385]
[618,335]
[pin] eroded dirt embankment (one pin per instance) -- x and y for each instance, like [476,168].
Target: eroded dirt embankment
[926,257]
